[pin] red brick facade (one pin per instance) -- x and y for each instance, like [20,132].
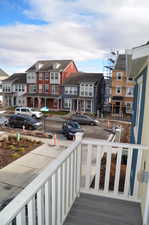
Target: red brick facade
[48,94]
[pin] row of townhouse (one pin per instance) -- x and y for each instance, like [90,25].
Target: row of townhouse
[56,84]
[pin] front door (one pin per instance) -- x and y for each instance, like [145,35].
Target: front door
[117,107]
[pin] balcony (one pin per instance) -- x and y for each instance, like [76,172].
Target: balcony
[91,183]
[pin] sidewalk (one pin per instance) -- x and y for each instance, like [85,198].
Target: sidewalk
[15,176]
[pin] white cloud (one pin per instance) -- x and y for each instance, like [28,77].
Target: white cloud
[79,29]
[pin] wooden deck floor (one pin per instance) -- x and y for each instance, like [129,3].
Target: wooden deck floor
[93,210]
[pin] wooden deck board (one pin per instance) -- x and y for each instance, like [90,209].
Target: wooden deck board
[94,210]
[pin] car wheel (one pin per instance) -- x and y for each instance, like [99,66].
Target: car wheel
[12,125]
[92,124]
[29,127]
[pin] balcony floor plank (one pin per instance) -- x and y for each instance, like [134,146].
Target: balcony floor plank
[94,210]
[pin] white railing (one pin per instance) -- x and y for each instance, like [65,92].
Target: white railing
[90,166]
[48,199]
[107,169]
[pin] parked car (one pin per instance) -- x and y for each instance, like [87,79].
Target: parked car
[18,121]
[3,121]
[28,111]
[70,128]
[84,119]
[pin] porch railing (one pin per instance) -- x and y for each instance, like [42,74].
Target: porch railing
[111,169]
[48,199]
[91,166]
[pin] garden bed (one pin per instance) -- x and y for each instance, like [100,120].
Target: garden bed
[13,147]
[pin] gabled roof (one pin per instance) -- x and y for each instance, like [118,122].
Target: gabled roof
[17,78]
[77,78]
[3,73]
[50,65]
[121,62]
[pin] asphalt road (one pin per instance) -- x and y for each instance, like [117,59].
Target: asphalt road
[89,131]
[54,125]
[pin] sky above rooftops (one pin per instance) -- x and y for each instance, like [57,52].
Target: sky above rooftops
[82,30]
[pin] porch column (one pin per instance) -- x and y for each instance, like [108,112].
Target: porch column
[45,101]
[33,102]
[91,106]
[71,105]
[39,102]
[84,105]
[77,105]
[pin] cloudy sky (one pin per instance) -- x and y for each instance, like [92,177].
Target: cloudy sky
[82,30]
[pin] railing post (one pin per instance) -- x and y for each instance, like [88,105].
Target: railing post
[78,138]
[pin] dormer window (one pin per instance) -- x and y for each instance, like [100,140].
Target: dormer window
[56,65]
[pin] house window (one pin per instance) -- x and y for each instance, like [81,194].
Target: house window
[118,75]
[88,106]
[54,78]
[40,88]
[118,90]
[32,88]
[46,76]
[40,76]
[54,89]
[130,79]
[129,91]
[71,90]
[86,90]
[128,107]
[46,87]
[67,103]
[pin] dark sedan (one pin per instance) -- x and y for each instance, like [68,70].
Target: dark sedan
[20,121]
[70,128]
[84,119]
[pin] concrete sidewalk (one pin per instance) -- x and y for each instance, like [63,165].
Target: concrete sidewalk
[18,174]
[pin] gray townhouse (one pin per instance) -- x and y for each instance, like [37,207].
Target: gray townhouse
[84,92]
[14,89]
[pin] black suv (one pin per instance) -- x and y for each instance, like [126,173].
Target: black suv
[18,121]
[70,128]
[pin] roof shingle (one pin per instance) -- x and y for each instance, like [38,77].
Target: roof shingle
[77,78]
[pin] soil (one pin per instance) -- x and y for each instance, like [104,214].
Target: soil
[12,148]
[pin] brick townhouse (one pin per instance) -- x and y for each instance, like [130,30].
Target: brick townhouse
[44,83]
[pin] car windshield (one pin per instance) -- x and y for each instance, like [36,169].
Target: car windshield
[75,125]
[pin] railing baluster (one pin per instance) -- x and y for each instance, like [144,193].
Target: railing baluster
[75,174]
[71,177]
[40,207]
[67,184]
[117,171]
[98,166]
[78,169]
[88,167]
[63,189]
[48,203]
[59,194]
[20,219]
[31,212]
[138,166]
[128,171]
[54,199]
[108,166]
